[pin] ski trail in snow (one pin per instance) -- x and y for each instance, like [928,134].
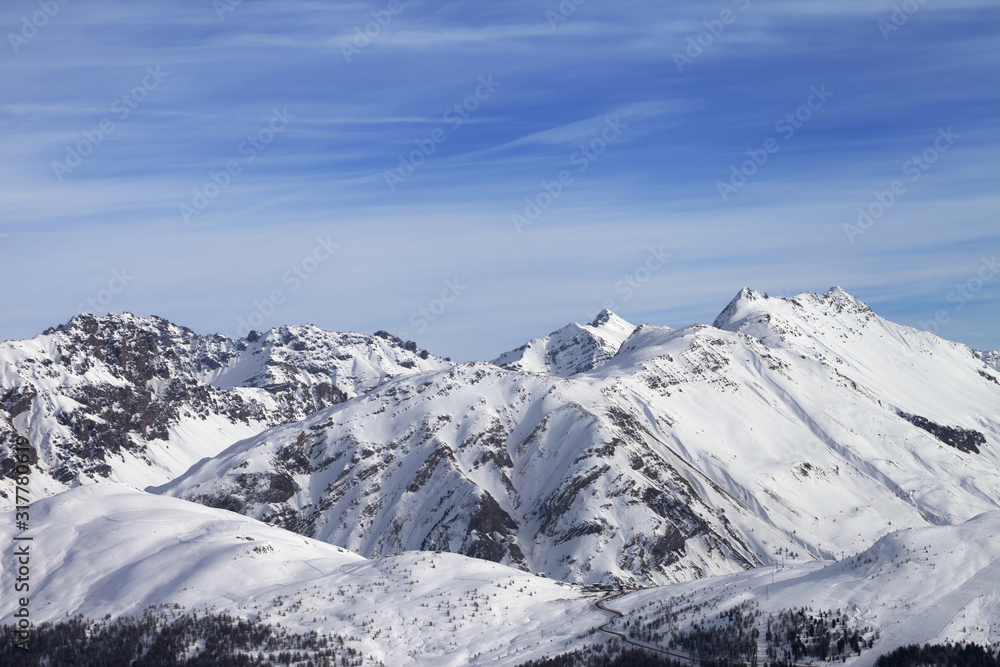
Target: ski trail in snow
[934,618]
[865,468]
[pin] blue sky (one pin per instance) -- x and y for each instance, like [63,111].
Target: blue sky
[471,175]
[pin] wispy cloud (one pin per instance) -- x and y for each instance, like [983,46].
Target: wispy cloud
[324,173]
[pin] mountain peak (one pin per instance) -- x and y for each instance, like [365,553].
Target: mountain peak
[747,294]
[756,307]
[740,303]
[843,300]
[573,349]
[990,357]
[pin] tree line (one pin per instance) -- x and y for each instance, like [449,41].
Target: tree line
[162,638]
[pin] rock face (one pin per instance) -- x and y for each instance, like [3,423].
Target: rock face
[139,400]
[775,434]
[965,440]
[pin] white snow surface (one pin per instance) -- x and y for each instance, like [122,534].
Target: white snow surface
[915,586]
[307,354]
[112,549]
[692,460]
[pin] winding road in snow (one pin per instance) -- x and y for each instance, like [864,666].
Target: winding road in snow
[615,614]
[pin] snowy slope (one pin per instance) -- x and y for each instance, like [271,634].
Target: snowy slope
[573,349]
[140,400]
[794,429]
[533,471]
[799,417]
[915,586]
[915,370]
[110,549]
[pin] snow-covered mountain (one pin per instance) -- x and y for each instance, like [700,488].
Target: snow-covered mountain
[990,358]
[804,468]
[792,429]
[537,472]
[933,585]
[140,400]
[108,550]
[573,349]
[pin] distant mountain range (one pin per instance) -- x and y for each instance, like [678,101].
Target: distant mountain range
[792,431]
